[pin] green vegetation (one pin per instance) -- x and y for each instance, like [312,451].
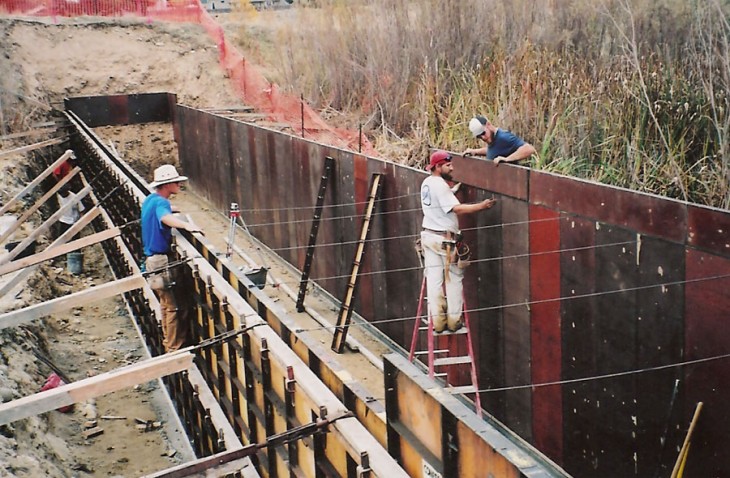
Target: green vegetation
[634,93]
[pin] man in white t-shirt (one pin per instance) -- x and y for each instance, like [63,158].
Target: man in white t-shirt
[438,238]
[72,214]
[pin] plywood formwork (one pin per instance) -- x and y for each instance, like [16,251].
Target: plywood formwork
[629,253]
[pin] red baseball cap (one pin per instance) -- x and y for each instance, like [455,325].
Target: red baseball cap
[438,158]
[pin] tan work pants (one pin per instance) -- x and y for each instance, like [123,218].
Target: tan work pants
[174,314]
[445,311]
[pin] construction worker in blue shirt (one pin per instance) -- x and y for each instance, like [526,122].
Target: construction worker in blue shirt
[157,223]
[502,146]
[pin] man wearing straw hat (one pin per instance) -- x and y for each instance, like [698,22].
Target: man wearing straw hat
[157,223]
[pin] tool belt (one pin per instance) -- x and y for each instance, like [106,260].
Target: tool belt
[160,273]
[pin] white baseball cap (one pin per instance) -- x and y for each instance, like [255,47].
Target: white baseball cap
[166,174]
[477,125]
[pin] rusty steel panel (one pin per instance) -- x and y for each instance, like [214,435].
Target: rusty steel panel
[616,274]
[484,235]
[706,336]
[117,110]
[709,229]
[508,181]
[660,341]
[515,286]
[640,212]
[578,316]
[401,219]
[546,351]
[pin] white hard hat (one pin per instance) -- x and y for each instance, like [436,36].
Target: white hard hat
[477,125]
[167,174]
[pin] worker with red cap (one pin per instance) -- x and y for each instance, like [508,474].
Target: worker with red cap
[439,236]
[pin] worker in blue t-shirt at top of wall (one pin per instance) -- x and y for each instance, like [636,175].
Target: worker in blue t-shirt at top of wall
[502,146]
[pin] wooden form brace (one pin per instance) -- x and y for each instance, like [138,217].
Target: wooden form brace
[80,224]
[53,252]
[31,147]
[94,294]
[94,386]
[39,203]
[38,179]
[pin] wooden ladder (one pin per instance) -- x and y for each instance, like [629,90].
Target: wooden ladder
[440,359]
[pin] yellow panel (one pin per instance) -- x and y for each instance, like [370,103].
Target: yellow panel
[411,461]
[336,453]
[477,458]
[420,413]
[332,381]
[372,423]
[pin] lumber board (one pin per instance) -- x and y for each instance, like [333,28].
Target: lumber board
[93,294]
[38,204]
[95,386]
[53,252]
[44,227]
[32,132]
[33,184]
[80,224]
[31,147]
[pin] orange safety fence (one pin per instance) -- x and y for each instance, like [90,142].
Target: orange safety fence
[248,81]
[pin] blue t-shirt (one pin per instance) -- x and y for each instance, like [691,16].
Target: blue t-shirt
[156,237]
[504,144]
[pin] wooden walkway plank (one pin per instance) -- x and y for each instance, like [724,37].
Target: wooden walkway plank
[38,204]
[53,252]
[95,386]
[77,299]
[31,147]
[32,185]
[44,227]
[80,224]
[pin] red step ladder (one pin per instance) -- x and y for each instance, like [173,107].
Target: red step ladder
[440,359]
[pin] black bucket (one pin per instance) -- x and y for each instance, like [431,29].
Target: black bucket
[258,277]
[28,251]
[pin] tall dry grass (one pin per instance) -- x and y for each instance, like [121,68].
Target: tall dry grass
[633,93]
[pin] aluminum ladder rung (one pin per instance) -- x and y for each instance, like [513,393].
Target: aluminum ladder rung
[425,352]
[452,360]
[462,389]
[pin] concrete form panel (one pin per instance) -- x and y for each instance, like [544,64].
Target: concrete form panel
[614,332]
[516,320]
[545,339]
[616,275]
[643,213]
[660,341]
[709,229]
[507,181]
[578,317]
[117,110]
[705,326]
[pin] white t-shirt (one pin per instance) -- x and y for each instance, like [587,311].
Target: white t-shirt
[438,201]
[73,213]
